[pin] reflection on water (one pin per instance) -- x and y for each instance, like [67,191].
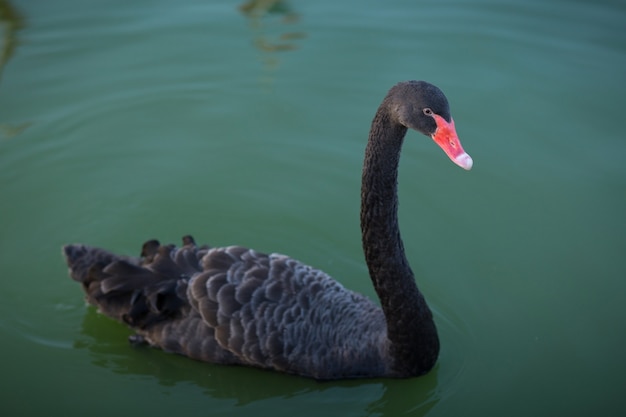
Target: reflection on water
[9,131]
[268,19]
[260,12]
[11,21]
[105,340]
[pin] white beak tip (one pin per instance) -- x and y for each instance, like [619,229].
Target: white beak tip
[464,161]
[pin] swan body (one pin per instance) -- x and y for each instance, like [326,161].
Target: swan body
[234,305]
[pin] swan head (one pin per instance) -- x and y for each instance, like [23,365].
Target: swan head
[423,107]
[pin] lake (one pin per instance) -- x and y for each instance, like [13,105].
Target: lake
[245,123]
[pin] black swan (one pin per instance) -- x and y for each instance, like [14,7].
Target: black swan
[233,305]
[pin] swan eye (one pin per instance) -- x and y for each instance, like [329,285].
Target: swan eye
[427,111]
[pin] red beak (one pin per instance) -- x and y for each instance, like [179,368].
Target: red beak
[445,136]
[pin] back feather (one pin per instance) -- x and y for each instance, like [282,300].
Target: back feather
[233,305]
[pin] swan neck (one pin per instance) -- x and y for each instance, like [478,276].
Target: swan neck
[411,333]
[379,201]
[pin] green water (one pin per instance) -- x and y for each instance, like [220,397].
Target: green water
[122,121]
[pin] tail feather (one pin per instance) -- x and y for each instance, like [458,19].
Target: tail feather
[82,258]
[139,291]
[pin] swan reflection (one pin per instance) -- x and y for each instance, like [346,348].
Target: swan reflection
[105,340]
